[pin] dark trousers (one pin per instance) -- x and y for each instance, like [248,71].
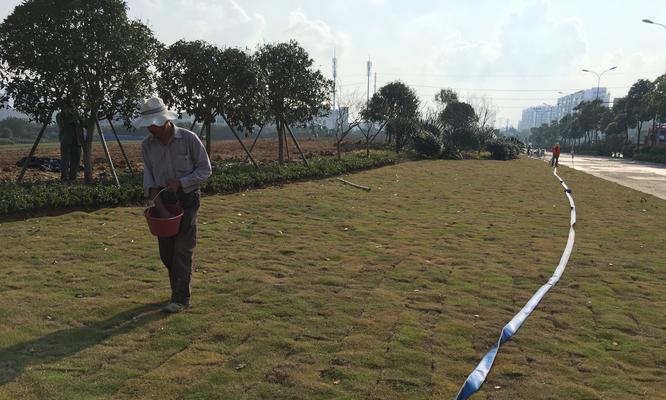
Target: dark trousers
[70,160]
[177,251]
[554,162]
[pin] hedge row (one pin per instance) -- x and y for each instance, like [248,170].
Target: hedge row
[654,154]
[227,178]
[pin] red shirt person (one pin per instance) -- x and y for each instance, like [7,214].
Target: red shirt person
[556,155]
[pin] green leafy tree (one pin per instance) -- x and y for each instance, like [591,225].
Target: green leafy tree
[615,136]
[87,51]
[658,101]
[445,97]
[396,107]
[590,115]
[189,81]
[639,108]
[546,135]
[206,82]
[459,121]
[565,128]
[623,116]
[295,93]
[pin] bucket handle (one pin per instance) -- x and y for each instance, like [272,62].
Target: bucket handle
[158,195]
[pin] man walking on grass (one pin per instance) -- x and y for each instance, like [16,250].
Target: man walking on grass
[174,159]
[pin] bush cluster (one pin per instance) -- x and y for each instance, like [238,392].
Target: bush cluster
[503,149]
[427,145]
[227,178]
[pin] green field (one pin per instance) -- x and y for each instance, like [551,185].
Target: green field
[317,290]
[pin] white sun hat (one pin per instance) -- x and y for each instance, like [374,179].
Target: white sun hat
[154,112]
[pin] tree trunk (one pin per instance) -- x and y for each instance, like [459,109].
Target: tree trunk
[280,131]
[87,149]
[286,142]
[337,147]
[208,140]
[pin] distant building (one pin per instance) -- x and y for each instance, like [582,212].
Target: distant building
[534,117]
[333,117]
[567,104]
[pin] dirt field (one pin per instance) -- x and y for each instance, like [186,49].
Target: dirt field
[264,151]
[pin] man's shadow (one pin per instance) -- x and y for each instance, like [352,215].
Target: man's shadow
[61,344]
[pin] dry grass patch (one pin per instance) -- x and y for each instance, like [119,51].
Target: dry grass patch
[318,290]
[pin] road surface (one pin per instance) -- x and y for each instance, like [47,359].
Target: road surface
[643,176]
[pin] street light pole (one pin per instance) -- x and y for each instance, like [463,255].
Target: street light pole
[599,75]
[649,21]
[654,120]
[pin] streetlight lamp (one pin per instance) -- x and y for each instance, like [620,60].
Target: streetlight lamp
[599,75]
[649,21]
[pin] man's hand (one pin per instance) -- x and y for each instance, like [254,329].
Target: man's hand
[173,185]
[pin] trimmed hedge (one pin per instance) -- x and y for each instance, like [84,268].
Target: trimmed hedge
[227,178]
[653,154]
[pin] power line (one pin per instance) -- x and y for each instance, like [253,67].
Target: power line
[508,90]
[623,72]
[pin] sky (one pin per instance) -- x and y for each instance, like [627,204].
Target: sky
[513,53]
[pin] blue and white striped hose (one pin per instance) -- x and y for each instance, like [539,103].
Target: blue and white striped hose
[478,376]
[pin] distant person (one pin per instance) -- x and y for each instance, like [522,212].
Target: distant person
[174,159]
[70,134]
[554,162]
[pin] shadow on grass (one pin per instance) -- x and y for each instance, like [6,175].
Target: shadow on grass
[61,344]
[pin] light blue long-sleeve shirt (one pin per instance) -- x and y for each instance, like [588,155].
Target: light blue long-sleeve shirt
[183,157]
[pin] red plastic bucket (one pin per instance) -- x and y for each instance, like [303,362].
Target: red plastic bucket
[164,227]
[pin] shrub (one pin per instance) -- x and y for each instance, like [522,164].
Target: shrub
[653,154]
[427,145]
[503,150]
[226,178]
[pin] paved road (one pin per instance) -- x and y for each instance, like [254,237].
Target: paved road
[643,176]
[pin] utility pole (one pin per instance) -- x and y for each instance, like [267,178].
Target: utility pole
[335,75]
[375,91]
[369,71]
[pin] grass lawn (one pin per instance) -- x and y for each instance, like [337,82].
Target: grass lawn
[319,290]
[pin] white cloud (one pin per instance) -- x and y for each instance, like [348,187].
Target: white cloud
[316,36]
[532,43]
[224,23]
